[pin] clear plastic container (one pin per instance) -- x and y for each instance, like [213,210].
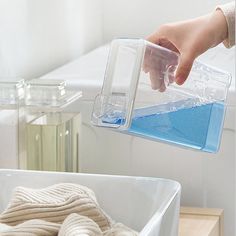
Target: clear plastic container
[51,133]
[139,97]
[11,97]
[148,205]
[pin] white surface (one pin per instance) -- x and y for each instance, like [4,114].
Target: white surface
[149,205]
[39,35]
[208,180]
[85,71]
[139,18]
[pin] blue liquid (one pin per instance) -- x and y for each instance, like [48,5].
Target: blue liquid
[198,127]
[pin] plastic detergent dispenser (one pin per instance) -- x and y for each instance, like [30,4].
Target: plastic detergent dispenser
[140,97]
[52,128]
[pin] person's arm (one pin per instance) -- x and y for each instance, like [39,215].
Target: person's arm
[229,13]
[191,38]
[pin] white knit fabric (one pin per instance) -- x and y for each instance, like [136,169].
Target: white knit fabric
[31,228]
[54,204]
[39,212]
[4,227]
[77,225]
[229,13]
[119,229]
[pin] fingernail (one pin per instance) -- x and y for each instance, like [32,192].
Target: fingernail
[179,80]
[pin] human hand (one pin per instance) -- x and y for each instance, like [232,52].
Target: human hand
[190,39]
[160,65]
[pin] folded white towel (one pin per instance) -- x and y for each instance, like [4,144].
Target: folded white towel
[77,225]
[54,204]
[31,228]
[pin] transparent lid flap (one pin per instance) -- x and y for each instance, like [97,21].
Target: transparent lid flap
[11,91]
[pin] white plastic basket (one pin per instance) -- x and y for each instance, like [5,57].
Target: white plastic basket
[148,205]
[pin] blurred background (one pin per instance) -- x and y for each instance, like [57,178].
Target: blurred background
[37,36]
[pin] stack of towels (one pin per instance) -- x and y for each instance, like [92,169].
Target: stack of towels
[63,209]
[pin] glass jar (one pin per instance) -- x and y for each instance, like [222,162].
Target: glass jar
[11,97]
[51,132]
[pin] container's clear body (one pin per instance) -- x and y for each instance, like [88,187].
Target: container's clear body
[140,97]
[11,97]
[51,132]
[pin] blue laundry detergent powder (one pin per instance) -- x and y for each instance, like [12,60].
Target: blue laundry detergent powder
[198,127]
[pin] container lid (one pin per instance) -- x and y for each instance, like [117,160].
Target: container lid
[11,91]
[49,94]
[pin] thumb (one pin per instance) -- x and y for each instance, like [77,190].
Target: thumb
[184,68]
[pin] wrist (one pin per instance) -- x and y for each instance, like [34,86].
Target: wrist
[218,27]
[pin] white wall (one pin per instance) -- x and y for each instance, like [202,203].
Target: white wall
[138,18]
[39,35]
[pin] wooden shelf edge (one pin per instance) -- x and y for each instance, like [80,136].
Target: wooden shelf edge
[205,212]
[202,211]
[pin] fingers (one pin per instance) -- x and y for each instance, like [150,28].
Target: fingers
[184,68]
[147,60]
[154,38]
[157,80]
[164,32]
[170,36]
[155,64]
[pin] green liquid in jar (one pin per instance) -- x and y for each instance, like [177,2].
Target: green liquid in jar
[53,142]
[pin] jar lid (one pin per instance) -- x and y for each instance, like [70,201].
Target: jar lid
[11,91]
[49,94]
